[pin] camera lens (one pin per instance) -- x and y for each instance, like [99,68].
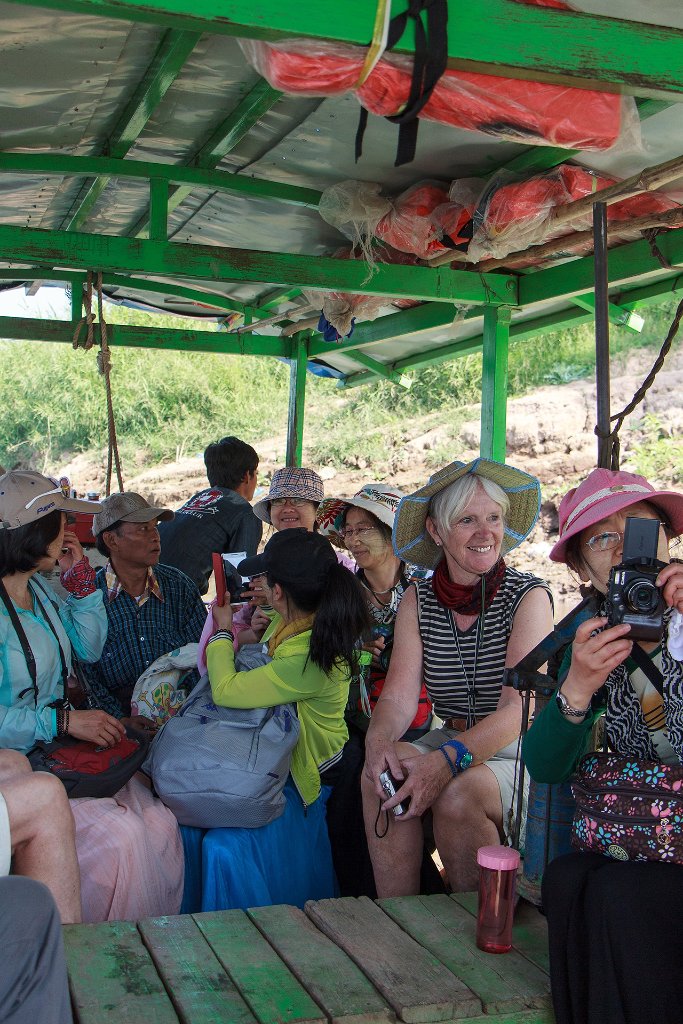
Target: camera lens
[642,596]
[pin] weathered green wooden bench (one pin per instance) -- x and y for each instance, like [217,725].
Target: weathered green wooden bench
[344,961]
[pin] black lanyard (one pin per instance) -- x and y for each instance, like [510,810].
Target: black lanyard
[26,647]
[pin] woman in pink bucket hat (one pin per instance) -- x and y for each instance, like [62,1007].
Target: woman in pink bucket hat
[601,904]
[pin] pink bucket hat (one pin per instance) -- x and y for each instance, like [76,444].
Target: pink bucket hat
[604,492]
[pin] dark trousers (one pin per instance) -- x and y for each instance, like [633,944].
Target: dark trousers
[33,980]
[616,940]
[346,827]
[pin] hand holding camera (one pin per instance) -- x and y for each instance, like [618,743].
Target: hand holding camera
[633,596]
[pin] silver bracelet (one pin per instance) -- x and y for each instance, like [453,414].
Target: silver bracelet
[567,709]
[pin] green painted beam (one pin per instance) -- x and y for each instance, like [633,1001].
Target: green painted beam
[222,140]
[618,315]
[297,398]
[158,210]
[594,49]
[556,45]
[381,370]
[494,383]
[221,302]
[214,263]
[173,51]
[651,294]
[276,296]
[626,263]
[24,329]
[197,177]
[428,316]
[473,343]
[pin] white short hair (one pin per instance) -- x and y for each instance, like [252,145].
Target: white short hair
[447,505]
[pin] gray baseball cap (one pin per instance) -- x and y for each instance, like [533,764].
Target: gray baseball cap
[127,508]
[26,497]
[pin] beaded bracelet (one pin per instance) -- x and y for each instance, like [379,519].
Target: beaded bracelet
[453,767]
[222,634]
[63,721]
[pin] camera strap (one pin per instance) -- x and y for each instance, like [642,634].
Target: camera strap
[648,668]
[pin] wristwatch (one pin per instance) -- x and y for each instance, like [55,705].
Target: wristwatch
[566,708]
[463,756]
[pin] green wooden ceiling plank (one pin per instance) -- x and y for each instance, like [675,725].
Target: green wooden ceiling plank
[173,51]
[626,262]
[28,329]
[78,251]
[257,102]
[229,133]
[222,302]
[381,370]
[276,296]
[426,317]
[473,343]
[89,166]
[650,295]
[618,315]
[578,48]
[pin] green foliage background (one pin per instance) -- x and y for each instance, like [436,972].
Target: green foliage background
[52,401]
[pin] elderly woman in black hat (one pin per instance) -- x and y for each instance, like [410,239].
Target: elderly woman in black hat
[457,632]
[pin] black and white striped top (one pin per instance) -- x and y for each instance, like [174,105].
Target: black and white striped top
[450,681]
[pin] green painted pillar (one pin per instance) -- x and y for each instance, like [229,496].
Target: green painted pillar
[494,382]
[297,397]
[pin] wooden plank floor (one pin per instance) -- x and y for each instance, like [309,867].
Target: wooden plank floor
[345,961]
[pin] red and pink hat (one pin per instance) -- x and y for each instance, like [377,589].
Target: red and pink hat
[604,492]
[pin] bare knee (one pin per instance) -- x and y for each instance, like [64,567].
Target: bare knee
[12,763]
[468,799]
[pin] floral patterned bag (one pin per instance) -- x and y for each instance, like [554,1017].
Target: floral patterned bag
[628,809]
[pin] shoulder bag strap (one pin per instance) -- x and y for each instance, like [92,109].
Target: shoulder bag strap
[62,658]
[23,640]
[647,666]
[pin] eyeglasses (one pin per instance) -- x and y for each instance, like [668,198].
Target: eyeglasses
[295,502]
[348,533]
[605,541]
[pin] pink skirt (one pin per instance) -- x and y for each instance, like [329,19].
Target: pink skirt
[130,854]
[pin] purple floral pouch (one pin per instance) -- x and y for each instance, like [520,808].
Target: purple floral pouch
[628,809]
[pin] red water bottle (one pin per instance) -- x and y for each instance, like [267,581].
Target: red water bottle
[497,875]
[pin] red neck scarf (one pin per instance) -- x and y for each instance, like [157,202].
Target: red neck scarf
[467,600]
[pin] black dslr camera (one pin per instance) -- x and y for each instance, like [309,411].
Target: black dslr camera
[632,595]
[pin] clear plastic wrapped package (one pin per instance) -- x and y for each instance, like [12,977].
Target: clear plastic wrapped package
[515,215]
[424,223]
[537,113]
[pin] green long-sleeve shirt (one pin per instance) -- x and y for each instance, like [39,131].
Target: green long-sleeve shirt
[291,676]
[554,745]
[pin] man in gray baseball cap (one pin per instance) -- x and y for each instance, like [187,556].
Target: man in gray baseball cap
[152,609]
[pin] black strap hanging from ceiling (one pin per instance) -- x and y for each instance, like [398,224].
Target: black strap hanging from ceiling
[429,64]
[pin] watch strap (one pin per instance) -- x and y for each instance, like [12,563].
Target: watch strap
[568,709]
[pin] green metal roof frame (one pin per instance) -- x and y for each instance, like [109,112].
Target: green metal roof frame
[499,37]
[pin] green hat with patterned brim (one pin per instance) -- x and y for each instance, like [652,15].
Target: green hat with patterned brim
[412,542]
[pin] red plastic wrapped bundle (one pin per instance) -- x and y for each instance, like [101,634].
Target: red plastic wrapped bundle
[537,113]
[520,214]
[514,109]
[423,222]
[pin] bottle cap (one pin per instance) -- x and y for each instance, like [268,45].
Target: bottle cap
[500,858]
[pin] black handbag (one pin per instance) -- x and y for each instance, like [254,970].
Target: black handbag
[84,768]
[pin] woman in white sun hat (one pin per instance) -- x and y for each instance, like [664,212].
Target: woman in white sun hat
[457,632]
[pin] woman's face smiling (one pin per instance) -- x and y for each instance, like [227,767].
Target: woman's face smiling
[288,516]
[596,565]
[473,542]
[370,549]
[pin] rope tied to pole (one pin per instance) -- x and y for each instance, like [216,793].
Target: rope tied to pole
[650,236]
[104,367]
[618,418]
